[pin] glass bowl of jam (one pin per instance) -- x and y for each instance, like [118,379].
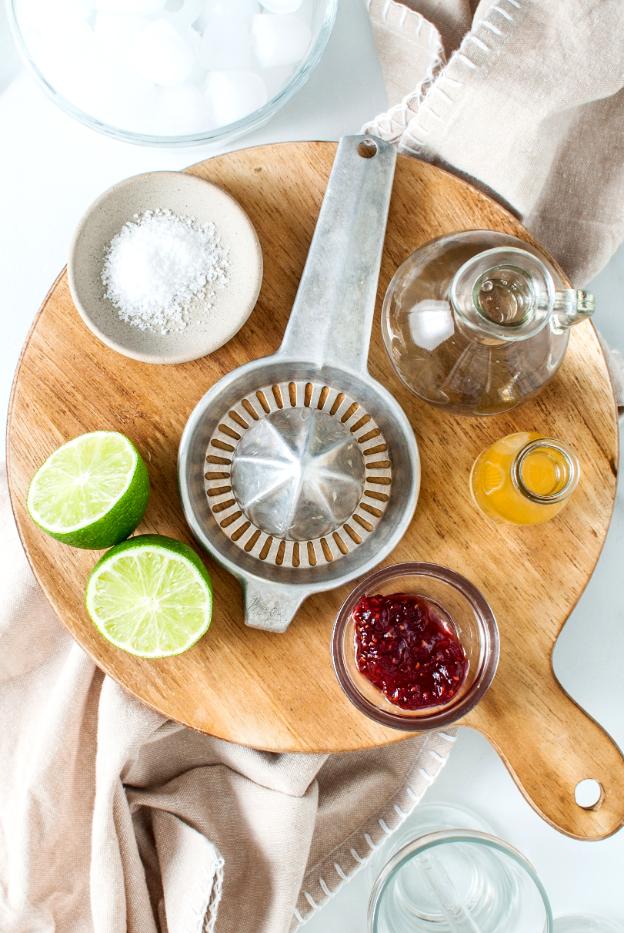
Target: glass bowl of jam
[415,646]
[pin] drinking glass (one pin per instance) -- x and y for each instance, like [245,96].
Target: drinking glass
[426,818]
[459,881]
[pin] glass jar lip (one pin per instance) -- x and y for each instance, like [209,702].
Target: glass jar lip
[433,840]
[491,328]
[571,463]
[453,710]
[222,134]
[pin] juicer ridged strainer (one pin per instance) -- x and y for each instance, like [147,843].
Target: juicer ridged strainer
[298,471]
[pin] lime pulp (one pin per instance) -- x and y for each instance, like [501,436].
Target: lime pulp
[92,492]
[150,596]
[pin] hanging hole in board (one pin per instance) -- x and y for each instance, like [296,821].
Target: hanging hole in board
[588,794]
[368,148]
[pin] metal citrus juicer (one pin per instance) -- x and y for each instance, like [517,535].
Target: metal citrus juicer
[298,471]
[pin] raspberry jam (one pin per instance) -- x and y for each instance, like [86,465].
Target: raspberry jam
[406,649]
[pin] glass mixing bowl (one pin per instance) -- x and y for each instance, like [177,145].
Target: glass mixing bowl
[470,616]
[140,97]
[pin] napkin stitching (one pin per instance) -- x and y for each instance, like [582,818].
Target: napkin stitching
[395,811]
[211,909]
[391,124]
[414,139]
[406,122]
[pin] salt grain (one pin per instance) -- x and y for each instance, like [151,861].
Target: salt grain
[158,264]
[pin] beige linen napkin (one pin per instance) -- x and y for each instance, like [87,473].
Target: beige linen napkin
[526,98]
[113,819]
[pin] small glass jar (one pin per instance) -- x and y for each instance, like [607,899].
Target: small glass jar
[524,478]
[471,618]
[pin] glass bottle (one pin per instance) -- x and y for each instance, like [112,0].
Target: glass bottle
[524,478]
[479,321]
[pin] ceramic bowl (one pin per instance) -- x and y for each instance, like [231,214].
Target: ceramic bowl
[211,323]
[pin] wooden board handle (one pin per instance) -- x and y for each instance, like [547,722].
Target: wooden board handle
[574,749]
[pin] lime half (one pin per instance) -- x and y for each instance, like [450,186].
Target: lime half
[91,492]
[151,596]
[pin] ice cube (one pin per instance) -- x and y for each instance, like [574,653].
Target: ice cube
[236,10]
[163,53]
[226,36]
[281,6]
[42,18]
[223,49]
[311,12]
[184,110]
[115,32]
[276,79]
[280,40]
[140,7]
[117,96]
[68,62]
[430,323]
[76,9]
[185,12]
[234,94]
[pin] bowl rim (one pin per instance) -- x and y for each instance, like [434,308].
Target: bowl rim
[229,131]
[449,714]
[82,308]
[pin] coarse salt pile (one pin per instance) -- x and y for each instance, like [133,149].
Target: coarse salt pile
[158,264]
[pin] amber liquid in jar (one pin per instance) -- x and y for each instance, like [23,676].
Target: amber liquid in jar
[524,478]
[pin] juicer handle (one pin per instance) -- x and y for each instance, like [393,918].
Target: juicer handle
[271,607]
[332,315]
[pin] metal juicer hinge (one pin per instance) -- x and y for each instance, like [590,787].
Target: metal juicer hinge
[284,551]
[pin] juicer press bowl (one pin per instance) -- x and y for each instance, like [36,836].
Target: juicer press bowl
[274,591]
[299,472]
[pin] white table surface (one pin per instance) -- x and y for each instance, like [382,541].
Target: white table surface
[52,168]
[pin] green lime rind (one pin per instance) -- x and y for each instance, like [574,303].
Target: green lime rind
[150,596]
[120,519]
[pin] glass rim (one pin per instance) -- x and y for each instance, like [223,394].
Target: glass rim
[521,330]
[571,463]
[433,840]
[229,131]
[452,711]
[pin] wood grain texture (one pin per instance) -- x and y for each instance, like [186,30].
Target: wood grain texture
[278,692]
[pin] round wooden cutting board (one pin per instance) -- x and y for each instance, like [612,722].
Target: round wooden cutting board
[278,692]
